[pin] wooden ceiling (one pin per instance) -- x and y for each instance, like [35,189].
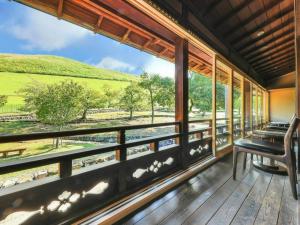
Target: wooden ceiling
[257,34]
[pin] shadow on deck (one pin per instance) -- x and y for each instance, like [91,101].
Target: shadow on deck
[212,197]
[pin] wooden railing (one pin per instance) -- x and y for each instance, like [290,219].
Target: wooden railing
[73,194]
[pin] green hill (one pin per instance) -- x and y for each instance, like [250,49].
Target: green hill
[17,71]
[59,66]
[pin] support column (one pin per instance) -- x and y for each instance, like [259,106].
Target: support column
[297,51]
[182,92]
[243,106]
[231,118]
[214,108]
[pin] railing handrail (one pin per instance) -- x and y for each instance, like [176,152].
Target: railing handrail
[21,164]
[56,134]
[200,120]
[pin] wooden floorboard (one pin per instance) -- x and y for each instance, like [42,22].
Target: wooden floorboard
[213,197]
[249,209]
[269,211]
[288,215]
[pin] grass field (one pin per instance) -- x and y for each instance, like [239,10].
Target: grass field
[16,71]
[55,65]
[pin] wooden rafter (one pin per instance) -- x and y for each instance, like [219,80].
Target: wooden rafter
[273,57]
[259,51]
[270,41]
[60,8]
[289,45]
[266,34]
[211,6]
[287,62]
[99,22]
[276,61]
[163,52]
[262,25]
[126,35]
[280,71]
[232,13]
[252,17]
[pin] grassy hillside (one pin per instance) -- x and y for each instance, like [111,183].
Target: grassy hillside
[54,65]
[16,71]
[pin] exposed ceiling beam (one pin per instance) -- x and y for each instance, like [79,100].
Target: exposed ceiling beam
[211,6]
[280,71]
[256,14]
[126,35]
[270,48]
[273,57]
[289,45]
[226,49]
[99,22]
[266,34]
[283,62]
[267,22]
[272,40]
[60,8]
[276,62]
[232,13]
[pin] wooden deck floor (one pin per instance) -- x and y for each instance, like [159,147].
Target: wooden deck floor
[212,197]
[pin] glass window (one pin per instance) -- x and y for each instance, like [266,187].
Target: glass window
[222,105]
[254,107]
[237,106]
[247,102]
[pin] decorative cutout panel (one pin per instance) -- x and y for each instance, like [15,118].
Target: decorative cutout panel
[154,168]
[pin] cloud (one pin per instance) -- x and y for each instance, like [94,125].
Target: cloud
[159,66]
[114,64]
[40,31]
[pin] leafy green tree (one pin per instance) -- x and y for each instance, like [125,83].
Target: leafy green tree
[3,100]
[55,104]
[132,99]
[91,99]
[111,96]
[200,93]
[160,91]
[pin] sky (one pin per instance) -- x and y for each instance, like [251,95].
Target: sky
[24,30]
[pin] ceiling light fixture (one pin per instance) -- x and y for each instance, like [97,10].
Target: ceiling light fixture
[260,33]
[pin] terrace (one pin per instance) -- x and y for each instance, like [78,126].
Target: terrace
[249,50]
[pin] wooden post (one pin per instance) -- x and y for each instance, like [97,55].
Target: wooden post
[243,106]
[121,154]
[182,93]
[297,51]
[256,107]
[231,106]
[250,107]
[214,109]
[65,168]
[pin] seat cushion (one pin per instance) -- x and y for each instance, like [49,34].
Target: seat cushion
[260,146]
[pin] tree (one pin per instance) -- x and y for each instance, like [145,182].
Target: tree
[55,104]
[200,93]
[160,91]
[132,99]
[111,96]
[3,100]
[91,99]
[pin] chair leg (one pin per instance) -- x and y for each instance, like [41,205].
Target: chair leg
[291,173]
[235,155]
[245,161]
